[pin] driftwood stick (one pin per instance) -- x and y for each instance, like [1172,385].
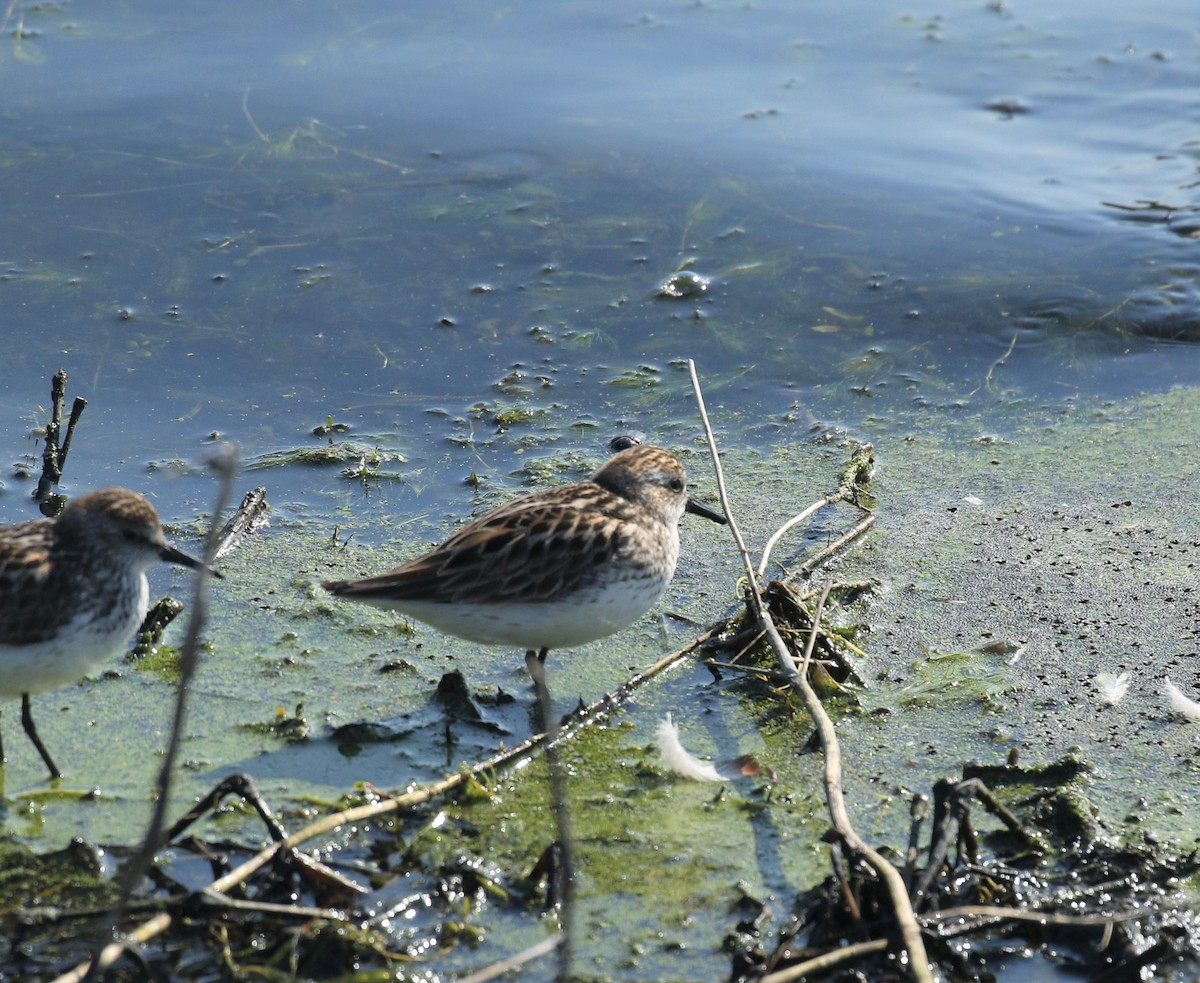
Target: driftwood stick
[77,408]
[54,453]
[819,965]
[136,867]
[250,515]
[981,915]
[794,521]
[543,948]
[836,546]
[910,930]
[753,594]
[160,923]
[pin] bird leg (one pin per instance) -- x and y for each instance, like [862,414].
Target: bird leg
[31,730]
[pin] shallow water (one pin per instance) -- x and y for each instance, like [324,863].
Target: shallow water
[445,226]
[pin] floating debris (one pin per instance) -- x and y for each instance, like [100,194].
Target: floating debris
[681,285]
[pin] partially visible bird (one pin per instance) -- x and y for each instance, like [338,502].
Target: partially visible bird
[73,592]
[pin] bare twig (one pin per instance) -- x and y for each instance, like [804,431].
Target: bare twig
[794,521]
[754,597]
[350,817]
[910,931]
[54,454]
[826,961]
[836,546]
[980,915]
[513,962]
[136,867]
[250,515]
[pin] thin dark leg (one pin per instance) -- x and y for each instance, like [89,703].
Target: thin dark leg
[31,730]
[563,887]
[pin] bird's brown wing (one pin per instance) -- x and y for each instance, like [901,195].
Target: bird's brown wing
[25,575]
[525,551]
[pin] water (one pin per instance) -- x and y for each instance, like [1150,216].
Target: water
[443,225]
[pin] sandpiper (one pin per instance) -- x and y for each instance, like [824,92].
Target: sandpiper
[73,591]
[552,569]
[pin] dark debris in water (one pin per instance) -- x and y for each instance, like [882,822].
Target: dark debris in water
[1041,881]
[682,285]
[398,889]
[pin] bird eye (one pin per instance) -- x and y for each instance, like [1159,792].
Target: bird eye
[675,484]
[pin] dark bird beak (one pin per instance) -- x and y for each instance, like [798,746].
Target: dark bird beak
[170,554]
[697,509]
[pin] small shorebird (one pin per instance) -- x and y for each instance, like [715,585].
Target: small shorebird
[73,591]
[553,569]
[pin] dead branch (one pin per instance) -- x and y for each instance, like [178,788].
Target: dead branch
[57,444]
[581,717]
[250,516]
[136,867]
[910,931]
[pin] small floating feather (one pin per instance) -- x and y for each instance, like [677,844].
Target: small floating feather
[1111,686]
[677,757]
[1180,704]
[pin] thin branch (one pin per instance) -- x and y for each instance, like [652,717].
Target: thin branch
[836,546]
[987,914]
[794,521]
[755,598]
[826,961]
[543,948]
[136,867]
[407,800]
[910,931]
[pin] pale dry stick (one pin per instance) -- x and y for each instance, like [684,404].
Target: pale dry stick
[844,493]
[543,948]
[114,950]
[848,536]
[986,914]
[902,908]
[224,463]
[825,962]
[756,604]
[811,644]
[831,499]
[347,817]
[906,919]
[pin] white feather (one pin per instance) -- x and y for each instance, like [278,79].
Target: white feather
[1180,703]
[677,758]
[1111,686]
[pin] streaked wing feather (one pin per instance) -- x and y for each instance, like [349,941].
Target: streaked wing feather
[24,571]
[512,553]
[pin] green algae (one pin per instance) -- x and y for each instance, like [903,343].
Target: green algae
[1008,572]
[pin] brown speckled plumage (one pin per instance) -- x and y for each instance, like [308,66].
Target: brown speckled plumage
[73,591]
[49,567]
[554,568]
